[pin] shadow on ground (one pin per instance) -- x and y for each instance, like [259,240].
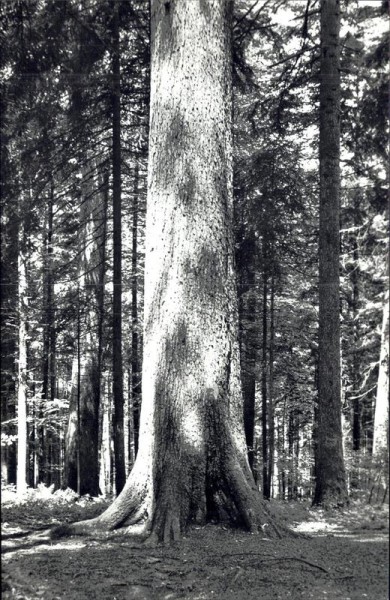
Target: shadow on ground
[209,563]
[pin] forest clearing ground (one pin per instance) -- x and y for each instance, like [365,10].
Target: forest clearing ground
[345,559]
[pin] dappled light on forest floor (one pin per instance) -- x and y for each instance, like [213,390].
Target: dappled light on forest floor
[209,562]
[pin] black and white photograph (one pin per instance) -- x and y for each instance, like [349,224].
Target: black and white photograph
[194,299]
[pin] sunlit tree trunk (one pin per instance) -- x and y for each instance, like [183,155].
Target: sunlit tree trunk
[330,486]
[105,447]
[381,418]
[192,461]
[9,338]
[290,437]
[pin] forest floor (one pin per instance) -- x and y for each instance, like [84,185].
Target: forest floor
[344,559]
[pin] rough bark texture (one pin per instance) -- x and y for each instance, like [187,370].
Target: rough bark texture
[192,461]
[330,475]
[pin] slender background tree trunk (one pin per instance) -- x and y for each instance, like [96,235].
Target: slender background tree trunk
[49,335]
[264,390]
[21,480]
[9,337]
[271,420]
[118,417]
[135,360]
[82,439]
[381,419]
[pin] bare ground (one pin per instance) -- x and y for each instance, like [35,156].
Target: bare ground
[346,558]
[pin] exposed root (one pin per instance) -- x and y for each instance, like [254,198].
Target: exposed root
[232,496]
[79,528]
[251,509]
[136,524]
[132,506]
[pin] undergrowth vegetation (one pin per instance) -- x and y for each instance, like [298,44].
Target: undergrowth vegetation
[46,506]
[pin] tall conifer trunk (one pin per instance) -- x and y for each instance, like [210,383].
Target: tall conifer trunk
[135,361]
[271,418]
[247,315]
[82,437]
[49,338]
[9,337]
[381,417]
[356,359]
[118,417]
[192,461]
[264,390]
[21,478]
[330,486]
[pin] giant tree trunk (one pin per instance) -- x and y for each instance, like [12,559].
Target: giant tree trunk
[330,475]
[192,462]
